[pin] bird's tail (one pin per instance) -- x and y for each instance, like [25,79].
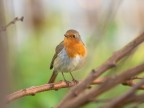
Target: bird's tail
[53,77]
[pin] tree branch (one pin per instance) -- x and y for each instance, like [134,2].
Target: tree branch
[110,63]
[4,28]
[55,86]
[131,83]
[133,99]
[119,101]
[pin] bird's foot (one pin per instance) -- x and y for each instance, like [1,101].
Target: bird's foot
[67,82]
[75,81]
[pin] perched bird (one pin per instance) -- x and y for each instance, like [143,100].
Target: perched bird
[69,55]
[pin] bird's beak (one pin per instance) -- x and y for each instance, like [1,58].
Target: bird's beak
[65,35]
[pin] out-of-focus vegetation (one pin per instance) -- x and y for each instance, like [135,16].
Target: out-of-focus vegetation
[105,26]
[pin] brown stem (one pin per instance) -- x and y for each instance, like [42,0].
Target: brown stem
[53,86]
[119,101]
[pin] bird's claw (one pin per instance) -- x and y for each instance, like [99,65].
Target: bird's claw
[75,81]
[67,82]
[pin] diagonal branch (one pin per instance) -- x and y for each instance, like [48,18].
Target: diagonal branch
[83,98]
[133,99]
[110,63]
[119,101]
[4,28]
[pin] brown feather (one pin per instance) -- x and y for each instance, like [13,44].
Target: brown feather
[57,51]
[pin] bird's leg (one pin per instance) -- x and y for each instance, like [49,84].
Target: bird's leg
[73,78]
[65,79]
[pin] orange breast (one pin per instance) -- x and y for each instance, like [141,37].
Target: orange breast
[74,47]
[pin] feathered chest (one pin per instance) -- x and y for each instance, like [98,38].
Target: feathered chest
[74,48]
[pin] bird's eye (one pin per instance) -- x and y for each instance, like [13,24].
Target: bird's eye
[74,36]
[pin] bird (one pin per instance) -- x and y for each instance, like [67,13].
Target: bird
[69,55]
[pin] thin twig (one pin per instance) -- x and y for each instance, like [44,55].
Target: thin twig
[4,28]
[132,83]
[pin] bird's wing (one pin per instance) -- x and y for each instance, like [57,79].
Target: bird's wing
[57,51]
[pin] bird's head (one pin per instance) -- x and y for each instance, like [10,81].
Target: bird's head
[72,36]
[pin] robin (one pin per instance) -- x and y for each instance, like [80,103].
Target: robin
[69,55]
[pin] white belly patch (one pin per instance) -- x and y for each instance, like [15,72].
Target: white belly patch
[65,64]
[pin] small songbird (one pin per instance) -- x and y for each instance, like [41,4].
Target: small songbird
[69,55]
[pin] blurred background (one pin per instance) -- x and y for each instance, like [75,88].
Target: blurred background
[104,25]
